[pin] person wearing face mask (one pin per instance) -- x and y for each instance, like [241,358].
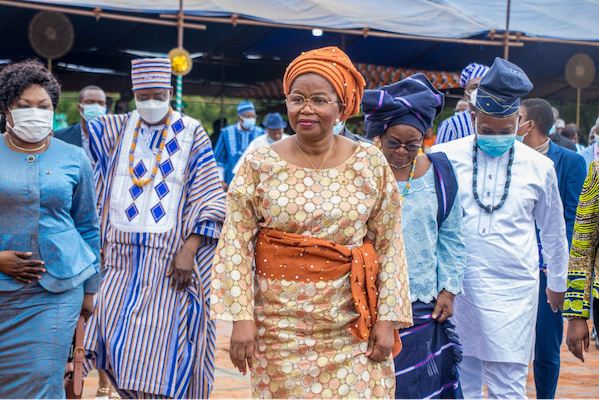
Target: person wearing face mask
[274,126]
[310,266]
[161,207]
[460,125]
[397,116]
[50,248]
[535,121]
[92,104]
[505,188]
[234,139]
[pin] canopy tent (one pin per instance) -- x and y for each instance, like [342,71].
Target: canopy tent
[247,43]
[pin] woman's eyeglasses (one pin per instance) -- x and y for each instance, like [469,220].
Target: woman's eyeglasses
[318,103]
[392,144]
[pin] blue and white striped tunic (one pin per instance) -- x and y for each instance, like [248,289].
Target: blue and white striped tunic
[150,338]
[455,127]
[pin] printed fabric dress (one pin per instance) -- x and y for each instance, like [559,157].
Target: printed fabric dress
[304,345]
[149,337]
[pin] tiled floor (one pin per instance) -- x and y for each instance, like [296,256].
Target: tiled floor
[577,380]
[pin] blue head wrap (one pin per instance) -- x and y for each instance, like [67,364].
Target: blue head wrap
[499,93]
[412,101]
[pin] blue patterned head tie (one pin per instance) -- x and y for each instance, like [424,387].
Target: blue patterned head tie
[473,70]
[501,89]
[245,106]
[412,101]
[151,73]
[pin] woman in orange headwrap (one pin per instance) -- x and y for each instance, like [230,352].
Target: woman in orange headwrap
[310,265]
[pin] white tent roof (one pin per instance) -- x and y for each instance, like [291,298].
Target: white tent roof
[563,19]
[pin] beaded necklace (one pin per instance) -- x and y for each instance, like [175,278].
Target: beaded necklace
[405,192]
[143,182]
[490,208]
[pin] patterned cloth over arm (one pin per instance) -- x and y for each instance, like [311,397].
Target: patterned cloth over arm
[581,282]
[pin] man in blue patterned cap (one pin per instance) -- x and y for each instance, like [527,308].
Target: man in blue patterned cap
[459,125]
[505,187]
[161,208]
[234,139]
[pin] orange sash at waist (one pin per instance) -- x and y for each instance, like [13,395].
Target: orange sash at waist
[293,257]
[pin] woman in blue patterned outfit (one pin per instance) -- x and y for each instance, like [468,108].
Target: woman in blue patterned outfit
[49,237]
[398,116]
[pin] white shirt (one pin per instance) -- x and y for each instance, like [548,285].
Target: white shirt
[496,315]
[259,141]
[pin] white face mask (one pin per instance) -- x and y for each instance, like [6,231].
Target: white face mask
[152,111]
[248,123]
[31,125]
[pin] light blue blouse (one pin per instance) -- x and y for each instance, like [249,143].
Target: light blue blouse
[48,207]
[436,256]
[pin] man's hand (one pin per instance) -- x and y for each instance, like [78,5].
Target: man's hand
[444,306]
[381,340]
[577,337]
[181,269]
[15,264]
[225,186]
[555,300]
[244,345]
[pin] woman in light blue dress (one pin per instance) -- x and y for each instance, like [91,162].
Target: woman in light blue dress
[398,116]
[49,237]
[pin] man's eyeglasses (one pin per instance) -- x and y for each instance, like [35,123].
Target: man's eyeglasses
[318,103]
[392,144]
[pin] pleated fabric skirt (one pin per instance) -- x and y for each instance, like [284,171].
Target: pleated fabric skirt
[427,367]
[36,331]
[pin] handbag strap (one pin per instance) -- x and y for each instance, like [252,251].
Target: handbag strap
[78,357]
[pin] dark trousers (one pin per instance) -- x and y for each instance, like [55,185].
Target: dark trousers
[549,335]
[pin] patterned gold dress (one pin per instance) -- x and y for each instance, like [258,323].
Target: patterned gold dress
[305,348]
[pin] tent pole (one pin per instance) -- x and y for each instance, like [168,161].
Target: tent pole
[578,108]
[179,91]
[506,40]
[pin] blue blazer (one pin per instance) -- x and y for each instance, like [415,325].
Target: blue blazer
[571,172]
[71,134]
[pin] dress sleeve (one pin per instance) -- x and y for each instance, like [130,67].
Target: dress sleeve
[549,216]
[83,212]
[384,230]
[584,248]
[451,251]
[232,297]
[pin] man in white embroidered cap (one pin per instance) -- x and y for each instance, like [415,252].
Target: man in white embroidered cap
[161,206]
[505,187]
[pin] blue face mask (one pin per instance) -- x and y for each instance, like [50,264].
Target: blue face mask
[338,128]
[495,145]
[91,111]
[552,130]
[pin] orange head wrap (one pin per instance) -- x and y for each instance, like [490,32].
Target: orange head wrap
[335,66]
